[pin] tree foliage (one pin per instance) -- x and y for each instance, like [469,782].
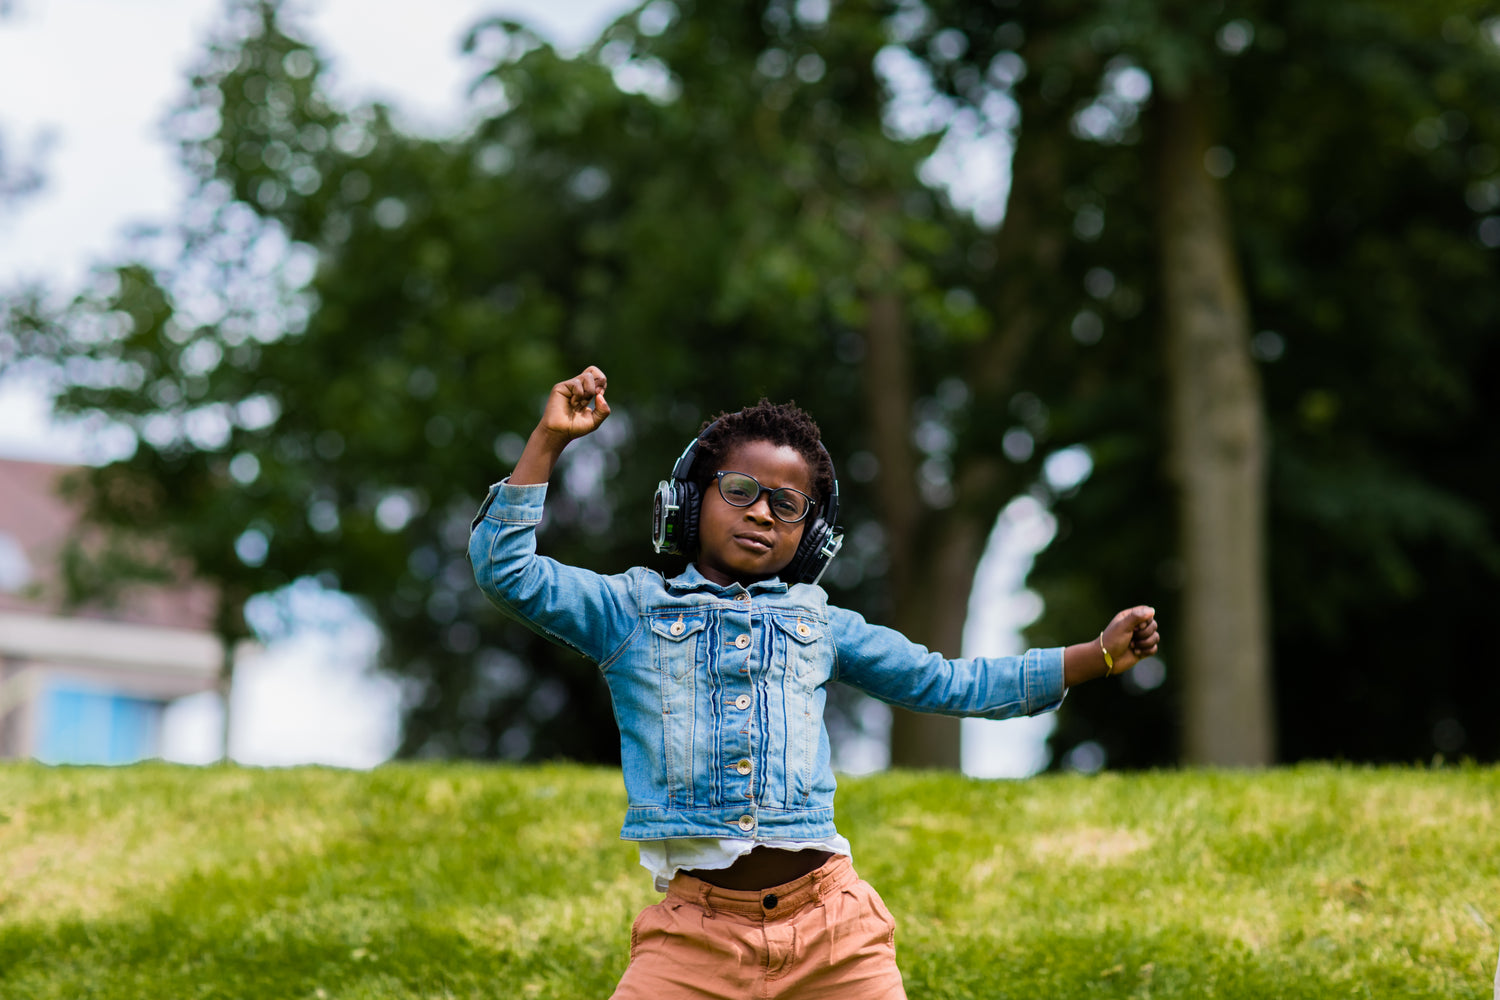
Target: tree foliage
[362,324]
[714,203]
[18,176]
[1357,145]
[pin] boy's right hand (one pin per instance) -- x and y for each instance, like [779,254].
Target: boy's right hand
[576,407]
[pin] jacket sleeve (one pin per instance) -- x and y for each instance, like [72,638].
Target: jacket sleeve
[589,612]
[885,664]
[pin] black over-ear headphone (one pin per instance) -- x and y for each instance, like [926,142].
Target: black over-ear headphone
[674,519]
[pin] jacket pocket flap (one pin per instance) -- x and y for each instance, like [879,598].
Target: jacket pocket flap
[804,630]
[677,629]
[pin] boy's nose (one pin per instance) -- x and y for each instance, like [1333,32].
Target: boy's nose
[760,510]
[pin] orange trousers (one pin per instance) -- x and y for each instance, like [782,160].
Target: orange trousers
[825,935]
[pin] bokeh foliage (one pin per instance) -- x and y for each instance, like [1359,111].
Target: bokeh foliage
[356,326]
[362,325]
[1357,145]
[19,175]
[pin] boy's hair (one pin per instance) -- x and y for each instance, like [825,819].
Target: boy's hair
[778,423]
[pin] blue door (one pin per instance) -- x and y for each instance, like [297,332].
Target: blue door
[80,725]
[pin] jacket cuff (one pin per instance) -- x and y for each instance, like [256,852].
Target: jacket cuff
[509,504]
[1045,687]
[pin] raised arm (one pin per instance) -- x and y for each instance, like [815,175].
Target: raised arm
[574,409]
[576,607]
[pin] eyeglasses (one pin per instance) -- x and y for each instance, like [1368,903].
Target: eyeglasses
[740,490]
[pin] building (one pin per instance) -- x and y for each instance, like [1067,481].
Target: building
[87,685]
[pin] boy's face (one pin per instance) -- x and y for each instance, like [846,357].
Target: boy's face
[744,544]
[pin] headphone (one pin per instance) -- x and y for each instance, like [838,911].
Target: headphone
[674,519]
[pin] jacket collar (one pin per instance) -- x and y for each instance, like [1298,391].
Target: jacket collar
[690,579]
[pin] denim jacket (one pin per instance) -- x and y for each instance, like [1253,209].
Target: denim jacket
[719,691]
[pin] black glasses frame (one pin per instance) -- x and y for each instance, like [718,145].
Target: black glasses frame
[763,490]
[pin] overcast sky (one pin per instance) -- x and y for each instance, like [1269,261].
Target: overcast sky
[100,75]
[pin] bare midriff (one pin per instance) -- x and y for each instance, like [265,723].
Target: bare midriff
[763,868]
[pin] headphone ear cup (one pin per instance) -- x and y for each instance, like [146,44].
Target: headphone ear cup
[804,567]
[820,543]
[663,533]
[690,505]
[674,517]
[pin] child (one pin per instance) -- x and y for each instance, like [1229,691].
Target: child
[717,677]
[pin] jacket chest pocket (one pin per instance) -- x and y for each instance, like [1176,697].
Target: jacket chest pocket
[679,645]
[806,655]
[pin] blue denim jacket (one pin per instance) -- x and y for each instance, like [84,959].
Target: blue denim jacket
[719,691]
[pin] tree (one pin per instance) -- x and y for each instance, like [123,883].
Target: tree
[16,181]
[1379,109]
[1217,446]
[358,314]
[17,178]
[1214,437]
[360,318]
[1216,433]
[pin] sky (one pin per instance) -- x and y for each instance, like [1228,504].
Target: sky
[87,84]
[101,75]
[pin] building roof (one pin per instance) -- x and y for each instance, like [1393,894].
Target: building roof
[35,526]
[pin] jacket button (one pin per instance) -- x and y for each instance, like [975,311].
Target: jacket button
[677,628]
[803,630]
[742,702]
[743,767]
[747,822]
[742,641]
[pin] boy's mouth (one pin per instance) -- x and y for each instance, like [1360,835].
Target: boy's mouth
[756,543]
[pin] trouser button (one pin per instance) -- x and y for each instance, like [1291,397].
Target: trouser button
[770,901]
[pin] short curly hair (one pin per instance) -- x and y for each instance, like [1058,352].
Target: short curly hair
[779,423]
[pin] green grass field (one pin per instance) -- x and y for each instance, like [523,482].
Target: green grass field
[427,881]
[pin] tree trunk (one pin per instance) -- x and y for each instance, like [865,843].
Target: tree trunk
[1217,455]
[226,690]
[229,624]
[918,740]
[932,572]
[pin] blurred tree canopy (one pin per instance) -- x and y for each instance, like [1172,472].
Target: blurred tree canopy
[361,325]
[18,176]
[721,200]
[1357,146]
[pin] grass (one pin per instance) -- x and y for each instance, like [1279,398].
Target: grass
[437,881]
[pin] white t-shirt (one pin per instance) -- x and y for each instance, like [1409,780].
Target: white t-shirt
[665,858]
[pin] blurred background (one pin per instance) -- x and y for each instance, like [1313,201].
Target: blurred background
[1179,303]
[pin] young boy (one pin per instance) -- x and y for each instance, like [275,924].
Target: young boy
[717,677]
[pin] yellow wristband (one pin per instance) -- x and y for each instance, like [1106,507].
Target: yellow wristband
[1109,661]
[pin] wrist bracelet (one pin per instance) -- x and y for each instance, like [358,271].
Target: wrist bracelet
[1109,661]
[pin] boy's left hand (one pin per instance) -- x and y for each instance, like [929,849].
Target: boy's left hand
[1131,636]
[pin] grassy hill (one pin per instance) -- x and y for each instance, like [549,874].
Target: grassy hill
[436,881]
